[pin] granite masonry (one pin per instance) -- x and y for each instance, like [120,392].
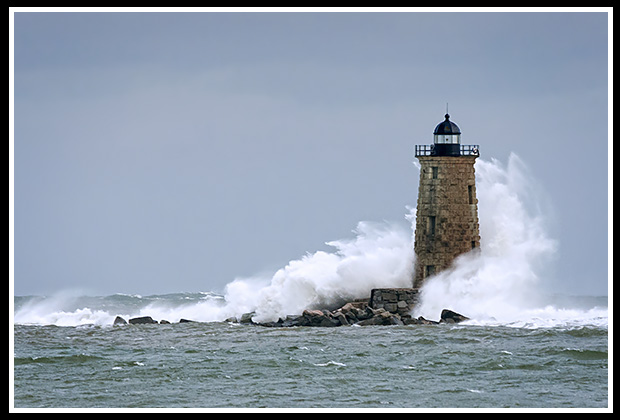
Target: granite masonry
[447,213]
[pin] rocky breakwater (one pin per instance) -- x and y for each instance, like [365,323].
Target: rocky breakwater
[384,307]
[351,313]
[119,320]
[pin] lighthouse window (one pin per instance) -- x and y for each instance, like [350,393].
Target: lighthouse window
[470,192]
[430,270]
[431,225]
[435,171]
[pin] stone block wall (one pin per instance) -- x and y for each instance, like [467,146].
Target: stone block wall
[447,213]
[398,300]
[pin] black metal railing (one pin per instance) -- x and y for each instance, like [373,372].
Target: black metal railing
[429,150]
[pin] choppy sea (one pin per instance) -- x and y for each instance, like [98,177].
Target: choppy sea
[67,353]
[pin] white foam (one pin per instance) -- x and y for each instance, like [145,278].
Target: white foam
[380,255]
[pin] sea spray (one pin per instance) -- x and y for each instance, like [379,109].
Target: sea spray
[380,255]
[66,308]
[501,280]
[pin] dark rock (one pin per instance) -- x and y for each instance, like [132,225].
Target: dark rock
[232,319]
[408,320]
[273,324]
[247,318]
[119,321]
[317,318]
[142,320]
[395,319]
[451,317]
[382,317]
[354,311]
[349,311]
[341,318]
[291,321]
[423,321]
[163,321]
[366,313]
[184,321]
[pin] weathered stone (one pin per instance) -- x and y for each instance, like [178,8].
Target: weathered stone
[183,321]
[347,307]
[291,321]
[389,296]
[361,314]
[163,321]
[317,318]
[374,312]
[395,300]
[371,321]
[449,317]
[272,324]
[341,318]
[119,321]
[447,213]
[391,307]
[142,320]
[425,321]
[247,318]
[382,317]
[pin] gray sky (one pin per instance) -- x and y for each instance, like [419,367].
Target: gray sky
[168,152]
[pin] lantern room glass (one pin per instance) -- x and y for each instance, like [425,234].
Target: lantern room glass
[447,139]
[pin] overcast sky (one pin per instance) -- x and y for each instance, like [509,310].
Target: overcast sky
[168,152]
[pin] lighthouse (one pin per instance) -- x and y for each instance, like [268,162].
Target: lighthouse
[447,208]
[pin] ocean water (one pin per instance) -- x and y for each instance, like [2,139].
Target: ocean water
[67,353]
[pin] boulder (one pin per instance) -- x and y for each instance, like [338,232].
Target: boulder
[291,321]
[277,323]
[317,318]
[163,321]
[368,313]
[423,321]
[142,320]
[183,321]
[119,320]
[247,318]
[348,307]
[409,320]
[382,317]
[354,311]
[288,321]
[341,318]
[451,317]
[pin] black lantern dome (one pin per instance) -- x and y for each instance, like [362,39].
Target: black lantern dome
[447,138]
[447,127]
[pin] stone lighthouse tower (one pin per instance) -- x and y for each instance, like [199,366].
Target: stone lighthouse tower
[447,212]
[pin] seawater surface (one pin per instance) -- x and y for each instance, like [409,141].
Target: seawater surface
[222,365]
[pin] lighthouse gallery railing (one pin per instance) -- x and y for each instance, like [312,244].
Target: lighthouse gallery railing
[429,150]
